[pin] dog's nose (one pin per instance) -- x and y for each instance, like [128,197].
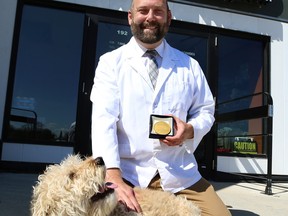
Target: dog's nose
[99,161]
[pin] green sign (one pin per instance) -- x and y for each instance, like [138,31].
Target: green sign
[245,147]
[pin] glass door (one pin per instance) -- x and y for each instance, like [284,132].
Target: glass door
[196,46]
[240,84]
[44,80]
[243,126]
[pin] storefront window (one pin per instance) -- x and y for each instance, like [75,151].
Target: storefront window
[240,85]
[45,89]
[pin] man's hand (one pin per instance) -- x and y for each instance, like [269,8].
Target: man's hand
[183,131]
[124,192]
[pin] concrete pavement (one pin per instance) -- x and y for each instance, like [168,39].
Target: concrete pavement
[249,199]
[15,193]
[243,199]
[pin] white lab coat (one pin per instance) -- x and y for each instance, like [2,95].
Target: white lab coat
[123,99]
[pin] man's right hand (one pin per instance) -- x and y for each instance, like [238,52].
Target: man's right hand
[125,193]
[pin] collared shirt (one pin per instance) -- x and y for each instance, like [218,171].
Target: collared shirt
[123,99]
[160,51]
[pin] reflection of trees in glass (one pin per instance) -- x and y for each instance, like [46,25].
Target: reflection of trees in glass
[46,75]
[223,141]
[27,132]
[227,132]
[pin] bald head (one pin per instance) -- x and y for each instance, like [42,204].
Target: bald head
[164,1]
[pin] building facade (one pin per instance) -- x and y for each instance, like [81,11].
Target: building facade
[49,51]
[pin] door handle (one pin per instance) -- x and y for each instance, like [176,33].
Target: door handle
[84,88]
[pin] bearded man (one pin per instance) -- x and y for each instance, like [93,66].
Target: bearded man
[145,78]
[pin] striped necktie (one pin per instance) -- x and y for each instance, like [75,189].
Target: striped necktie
[152,66]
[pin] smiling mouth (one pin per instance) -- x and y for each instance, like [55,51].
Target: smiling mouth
[150,27]
[109,189]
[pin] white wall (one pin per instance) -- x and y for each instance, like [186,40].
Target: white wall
[279,52]
[24,152]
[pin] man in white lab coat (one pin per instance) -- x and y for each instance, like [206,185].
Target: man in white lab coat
[124,98]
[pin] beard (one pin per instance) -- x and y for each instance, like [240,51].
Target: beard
[149,36]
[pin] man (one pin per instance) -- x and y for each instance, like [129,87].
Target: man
[124,98]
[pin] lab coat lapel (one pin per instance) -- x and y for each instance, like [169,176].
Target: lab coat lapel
[168,65]
[135,62]
[138,67]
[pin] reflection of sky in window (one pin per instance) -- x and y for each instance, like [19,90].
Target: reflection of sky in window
[240,76]
[48,65]
[194,46]
[240,68]
[111,36]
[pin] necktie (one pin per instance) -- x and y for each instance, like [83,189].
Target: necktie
[152,66]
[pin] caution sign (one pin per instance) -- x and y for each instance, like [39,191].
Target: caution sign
[245,147]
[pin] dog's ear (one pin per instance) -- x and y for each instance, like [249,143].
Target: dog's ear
[69,179]
[72,175]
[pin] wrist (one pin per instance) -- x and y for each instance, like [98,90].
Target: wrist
[189,131]
[113,175]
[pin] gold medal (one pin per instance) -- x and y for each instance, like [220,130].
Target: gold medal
[162,128]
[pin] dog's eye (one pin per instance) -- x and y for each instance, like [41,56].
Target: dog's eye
[72,175]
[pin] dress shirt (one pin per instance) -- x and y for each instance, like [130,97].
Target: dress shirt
[159,49]
[123,99]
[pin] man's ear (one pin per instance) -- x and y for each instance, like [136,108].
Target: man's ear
[130,17]
[169,17]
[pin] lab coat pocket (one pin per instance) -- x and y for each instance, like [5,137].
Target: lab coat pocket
[179,98]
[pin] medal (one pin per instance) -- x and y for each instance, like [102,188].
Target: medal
[162,128]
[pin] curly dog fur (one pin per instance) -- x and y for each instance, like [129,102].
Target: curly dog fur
[77,187]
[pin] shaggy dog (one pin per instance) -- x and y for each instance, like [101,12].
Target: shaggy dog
[77,187]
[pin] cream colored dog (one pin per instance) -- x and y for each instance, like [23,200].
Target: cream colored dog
[77,187]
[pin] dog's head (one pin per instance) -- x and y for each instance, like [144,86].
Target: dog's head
[74,187]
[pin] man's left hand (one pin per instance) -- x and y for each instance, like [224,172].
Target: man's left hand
[183,131]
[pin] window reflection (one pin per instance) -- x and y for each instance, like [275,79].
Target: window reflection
[111,36]
[239,86]
[240,68]
[194,46]
[47,74]
[239,136]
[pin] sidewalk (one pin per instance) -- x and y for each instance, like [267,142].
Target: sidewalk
[15,193]
[249,199]
[243,199]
